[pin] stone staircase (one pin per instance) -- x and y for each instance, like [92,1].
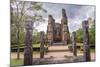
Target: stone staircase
[58,43]
[58,50]
[58,47]
[70,59]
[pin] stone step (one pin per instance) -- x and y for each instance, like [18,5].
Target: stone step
[58,48]
[70,59]
[58,43]
[61,54]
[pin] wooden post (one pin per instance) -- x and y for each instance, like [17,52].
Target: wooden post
[74,43]
[42,44]
[28,49]
[86,41]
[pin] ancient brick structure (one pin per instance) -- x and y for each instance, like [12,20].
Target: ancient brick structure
[57,32]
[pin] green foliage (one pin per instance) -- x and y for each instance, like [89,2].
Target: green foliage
[23,46]
[92,35]
[19,15]
[79,34]
[36,38]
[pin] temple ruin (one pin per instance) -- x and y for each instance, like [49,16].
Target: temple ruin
[58,32]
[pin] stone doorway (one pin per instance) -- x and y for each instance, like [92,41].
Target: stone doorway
[57,34]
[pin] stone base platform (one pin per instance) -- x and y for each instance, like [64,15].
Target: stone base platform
[58,48]
[58,43]
[68,59]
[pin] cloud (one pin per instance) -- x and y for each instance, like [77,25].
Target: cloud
[74,24]
[83,13]
[76,14]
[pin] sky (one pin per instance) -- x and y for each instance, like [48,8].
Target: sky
[75,13]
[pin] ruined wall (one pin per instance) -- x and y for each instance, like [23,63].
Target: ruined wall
[57,37]
[56,31]
[64,26]
[50,29]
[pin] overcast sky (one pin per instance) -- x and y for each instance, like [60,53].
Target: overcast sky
[76,14]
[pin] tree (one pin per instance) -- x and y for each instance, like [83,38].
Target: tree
[36,37]
[19,12]
[79,33]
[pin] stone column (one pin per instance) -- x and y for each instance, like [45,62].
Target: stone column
[65,35]
[42,35]
[28,43]
[64,25]
[46,45]
[86,41]
[50,29]
[74,46]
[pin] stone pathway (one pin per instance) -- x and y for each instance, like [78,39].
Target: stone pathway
[56,55]
[52,54]
[54,60]
[70,59]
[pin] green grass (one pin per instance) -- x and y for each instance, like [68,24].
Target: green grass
[23,46]
[33,45]
[16,62]
[92,50]
[36,45]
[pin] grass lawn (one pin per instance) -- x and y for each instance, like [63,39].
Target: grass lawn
[36,45]
[23,46]
[92,50]
[16,62]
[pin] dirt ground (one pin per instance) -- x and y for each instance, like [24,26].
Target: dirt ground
[53,54]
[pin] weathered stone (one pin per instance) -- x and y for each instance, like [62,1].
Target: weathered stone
[86,41]
[50,29]
[64,19]
[28,56]
[42,49]
[46,43]
[57,32]
[28,42]
[74,43]
[57,37]
[64,25]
